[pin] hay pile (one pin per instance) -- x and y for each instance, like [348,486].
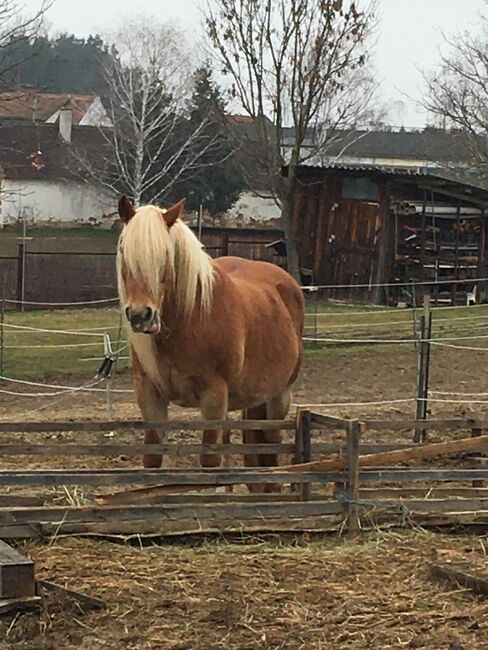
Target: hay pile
[305,593]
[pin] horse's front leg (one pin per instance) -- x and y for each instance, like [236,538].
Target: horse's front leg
[214,406]
[154,408]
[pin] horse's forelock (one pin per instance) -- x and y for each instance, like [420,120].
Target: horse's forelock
[150,250]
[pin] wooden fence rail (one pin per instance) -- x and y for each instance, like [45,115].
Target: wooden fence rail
[354,484]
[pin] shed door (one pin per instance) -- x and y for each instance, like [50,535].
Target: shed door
[351,248]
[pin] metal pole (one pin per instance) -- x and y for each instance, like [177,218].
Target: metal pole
[414,306]
[423,368]
[316,333]
[24,244]
[109,398]
[200,218]
[2,329]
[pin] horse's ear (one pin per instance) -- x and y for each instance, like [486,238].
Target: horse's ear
[126,209]
[171,214]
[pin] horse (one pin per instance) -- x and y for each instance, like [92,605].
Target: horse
[219,334]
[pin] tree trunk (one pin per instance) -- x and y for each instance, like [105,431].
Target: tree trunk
[288,221]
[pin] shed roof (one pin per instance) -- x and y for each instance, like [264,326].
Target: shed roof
[452,183]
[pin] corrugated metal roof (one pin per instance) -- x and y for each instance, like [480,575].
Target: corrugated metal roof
[439,179]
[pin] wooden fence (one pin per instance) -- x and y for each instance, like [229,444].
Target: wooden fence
[78,276]
[360,484]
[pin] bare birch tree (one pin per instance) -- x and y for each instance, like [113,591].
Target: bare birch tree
[298,64]
[151,145]
[457,94]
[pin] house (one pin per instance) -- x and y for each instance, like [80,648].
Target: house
[396,148]
[423,230]
[41,179]
[27,104]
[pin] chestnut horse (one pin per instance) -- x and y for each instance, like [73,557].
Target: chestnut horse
[221,335]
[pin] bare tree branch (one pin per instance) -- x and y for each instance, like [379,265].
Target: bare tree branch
[295,68]
[153,143]
[457,94]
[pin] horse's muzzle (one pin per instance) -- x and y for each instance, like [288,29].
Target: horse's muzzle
[143,321]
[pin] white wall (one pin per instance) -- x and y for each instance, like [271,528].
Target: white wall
[48,201]
[96,115]
[250,209]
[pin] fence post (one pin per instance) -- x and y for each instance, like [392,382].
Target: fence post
[303,445]
[2,327]
[423,368]
[20,275]
[353,438]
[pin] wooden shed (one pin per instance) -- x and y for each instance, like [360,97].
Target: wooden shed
[420,229]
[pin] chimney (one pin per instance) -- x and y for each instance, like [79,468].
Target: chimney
[65,123]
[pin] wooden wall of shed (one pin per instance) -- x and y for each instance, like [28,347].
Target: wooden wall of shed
[339,240]
[242,242]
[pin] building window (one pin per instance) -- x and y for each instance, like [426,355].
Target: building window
[359,188]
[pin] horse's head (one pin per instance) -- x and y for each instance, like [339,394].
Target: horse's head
[145,262]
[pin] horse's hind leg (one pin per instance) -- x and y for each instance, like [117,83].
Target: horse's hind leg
[253,437]
[277,409]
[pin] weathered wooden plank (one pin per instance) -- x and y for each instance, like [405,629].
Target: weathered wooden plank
[158,527]
[20,500]
[84,599]
[11,605]
[399,475]
[65,515]
[169,425]
[327,421]
[182,478]
[212,478]
[180,449]
[399,425]
[71,514]
[16,574]
[463,574]
[397,456]
[436,492]
[22,531]
[170,449]
[154,495]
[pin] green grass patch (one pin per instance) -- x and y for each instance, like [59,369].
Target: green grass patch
[43,355]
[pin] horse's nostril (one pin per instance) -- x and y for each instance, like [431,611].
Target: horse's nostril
[148,314]
[128,313]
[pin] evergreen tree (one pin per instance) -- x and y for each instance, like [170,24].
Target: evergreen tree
[218,182]
[66,64]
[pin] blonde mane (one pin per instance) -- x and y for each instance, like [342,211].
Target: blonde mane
[150,249]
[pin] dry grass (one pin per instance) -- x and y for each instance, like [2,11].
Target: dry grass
[298,593]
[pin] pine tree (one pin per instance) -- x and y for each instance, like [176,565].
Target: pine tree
[217,184]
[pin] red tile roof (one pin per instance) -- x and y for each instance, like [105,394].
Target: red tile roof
[27,103]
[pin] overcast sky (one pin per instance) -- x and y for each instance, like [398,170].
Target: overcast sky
[408,38]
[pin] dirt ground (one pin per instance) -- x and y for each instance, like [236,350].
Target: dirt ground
[273,592]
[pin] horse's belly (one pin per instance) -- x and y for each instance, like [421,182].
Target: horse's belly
[184,390]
